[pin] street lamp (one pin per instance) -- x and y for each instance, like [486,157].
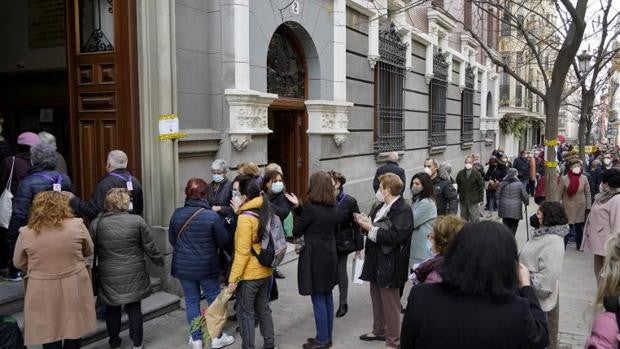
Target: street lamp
[584,61]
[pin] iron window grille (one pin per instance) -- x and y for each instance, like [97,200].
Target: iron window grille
[438,90]
[389,92]
[518,95]
[467,107]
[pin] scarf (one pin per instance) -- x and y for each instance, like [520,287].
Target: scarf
[422,271]
[574,183]
[606,195]
[560,230]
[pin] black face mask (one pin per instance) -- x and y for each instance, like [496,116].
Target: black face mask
[534,222]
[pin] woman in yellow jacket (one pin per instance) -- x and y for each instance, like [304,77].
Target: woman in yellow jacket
[248,277]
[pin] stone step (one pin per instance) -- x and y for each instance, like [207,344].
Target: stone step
[12,295]
[157,304]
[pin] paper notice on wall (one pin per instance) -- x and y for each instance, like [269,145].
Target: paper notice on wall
[169,127]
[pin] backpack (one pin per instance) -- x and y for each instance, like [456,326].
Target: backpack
[273,244]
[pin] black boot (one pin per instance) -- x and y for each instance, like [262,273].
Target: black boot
[342,310]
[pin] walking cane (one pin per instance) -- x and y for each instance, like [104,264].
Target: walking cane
[527,223]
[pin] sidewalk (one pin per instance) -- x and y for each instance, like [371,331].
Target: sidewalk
[294,322]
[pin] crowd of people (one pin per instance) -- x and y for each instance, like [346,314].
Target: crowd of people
[472,287]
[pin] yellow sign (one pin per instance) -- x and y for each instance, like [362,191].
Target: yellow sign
[169,127]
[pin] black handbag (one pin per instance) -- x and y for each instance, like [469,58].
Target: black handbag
[346,245]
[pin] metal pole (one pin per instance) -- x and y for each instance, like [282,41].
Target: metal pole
[527,224]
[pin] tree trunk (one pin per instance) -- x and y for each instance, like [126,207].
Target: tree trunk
[551,132]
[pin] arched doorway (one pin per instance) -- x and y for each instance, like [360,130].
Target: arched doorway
[287,76]
[490,105]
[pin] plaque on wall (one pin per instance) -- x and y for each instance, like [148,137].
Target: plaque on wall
[46,23]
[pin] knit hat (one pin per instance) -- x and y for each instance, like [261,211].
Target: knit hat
[28,138]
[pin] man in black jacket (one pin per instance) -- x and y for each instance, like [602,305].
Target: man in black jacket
[117,177]
[446,198]
[522,165]
[390,167]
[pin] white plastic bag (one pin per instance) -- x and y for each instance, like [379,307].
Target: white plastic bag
[356,271]
[6,201]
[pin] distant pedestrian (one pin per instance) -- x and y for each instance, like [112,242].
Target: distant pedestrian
[249,278]
[49,138]
[485,299]
[387,258]
[522,165]
[511,196]
[543,256]
[470,187]
[122,241]
[196,234]
[604,219]
[117,176]
[605,333]
[575,191]
[446,197]
[494,175]
[444,230]
[41,177]
[391,166]
[348,238]
[424,213]
[59,306]
[317,269]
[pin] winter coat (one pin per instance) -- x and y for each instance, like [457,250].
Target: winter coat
[437,317]
[90,208]
[605,333]
[540,188]
[347,228]
[386,262]
[424,214]
[576,205]
[38,180]
[532,161]
[121,242]
[20,170]
[219,194]
[62,164]
[595,181]
[471,189]
[523,167]
[603,222]
[495,173]
[245,266]
[317,266]
[59,301]
[195,253]
[280,205]
[543,256]
[446,197]
[511,195]
[389,167]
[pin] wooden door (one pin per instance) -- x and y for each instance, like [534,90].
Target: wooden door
[101,63]
[288,147]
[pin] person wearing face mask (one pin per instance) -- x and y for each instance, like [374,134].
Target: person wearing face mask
[391,166]
[576,199]
[608,162]
[424,213]
[511,196]
[273,186]
[348,237]
[219,193]
[387,257]
[493,176]
[478,166]
[471,190]
[522,164]
[543,255]
[446,198]
[604,219]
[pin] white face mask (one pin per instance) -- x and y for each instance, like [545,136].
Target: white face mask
[428,171]
[468,166]
[576,170]
[218,178]
[277,187]
[607,161]
[379,195]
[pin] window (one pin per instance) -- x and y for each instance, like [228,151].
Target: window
[467,15]
[520,22]
[389,92]
[467,107]
[504,89]
[490,29]
[285,66]
[506,28]
[519,89]
[438,88]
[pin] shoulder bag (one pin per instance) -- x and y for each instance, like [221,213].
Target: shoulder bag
[184,227]
[6,201]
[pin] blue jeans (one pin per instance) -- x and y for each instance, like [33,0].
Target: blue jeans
[323,306]
[191,289]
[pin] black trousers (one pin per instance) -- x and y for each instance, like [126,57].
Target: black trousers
[512,224]
[113,324]
[68,344]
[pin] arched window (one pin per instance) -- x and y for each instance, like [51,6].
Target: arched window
[286,66]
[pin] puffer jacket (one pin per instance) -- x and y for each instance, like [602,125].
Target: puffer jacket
[121,241]
[446,197]
[195,250]
[38,180]
[511,195]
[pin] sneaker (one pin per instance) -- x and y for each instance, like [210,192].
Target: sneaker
[224,341]
[195,344]
[17,277]
[278,274]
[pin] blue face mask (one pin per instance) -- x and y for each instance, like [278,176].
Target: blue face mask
[218,178]
[429,247]
[277,187]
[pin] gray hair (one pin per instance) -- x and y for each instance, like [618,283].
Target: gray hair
[117,159]
[44,154]
[219,164]
[47,138]
[435,163]
[393,156]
